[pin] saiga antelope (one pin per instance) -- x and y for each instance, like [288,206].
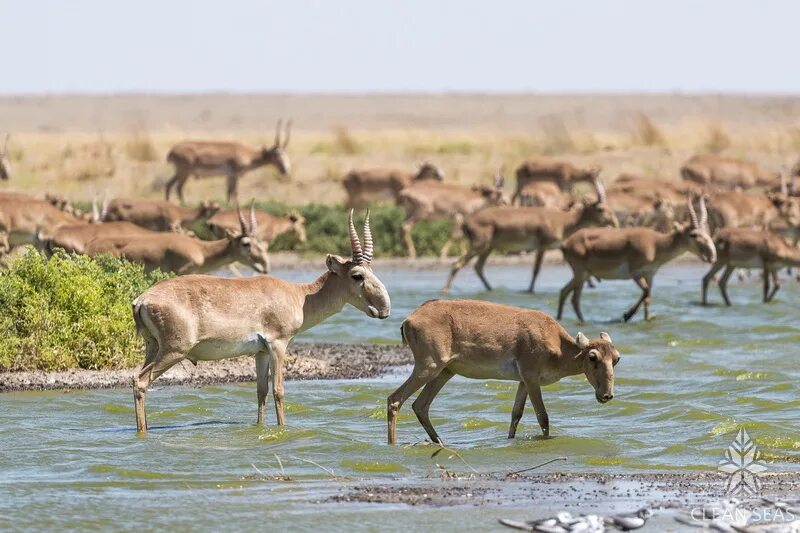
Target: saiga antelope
[750,248]
[5,165]
[431,200]
[74,238]
[484,340]
[205,318]
[158,215]
[23,217]
[364,186]
[183,254]
[636,253]
[222,158]
[527,228]
[561,173]
[726,172]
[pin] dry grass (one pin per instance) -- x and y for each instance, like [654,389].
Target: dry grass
[80,165]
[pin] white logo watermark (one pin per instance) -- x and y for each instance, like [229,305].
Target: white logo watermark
[743,465]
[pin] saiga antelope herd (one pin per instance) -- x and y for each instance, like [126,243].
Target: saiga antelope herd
[729,212]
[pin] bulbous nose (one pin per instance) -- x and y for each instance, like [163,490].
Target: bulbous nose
[608,397]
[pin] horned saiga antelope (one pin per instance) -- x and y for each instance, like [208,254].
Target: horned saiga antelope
[527,228]
[431,200]
[205,318]
[223,158]
[750,248]
[370,185]
[484,340]
[635,253]
[183,254]
[5,165]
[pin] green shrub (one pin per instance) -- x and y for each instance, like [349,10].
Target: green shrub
[70,312]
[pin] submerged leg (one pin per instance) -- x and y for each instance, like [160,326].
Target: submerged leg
[417,379]
[723,284]
[149,372]
[262,383]
[518,409]
[276,375]
[776,284]
[423,402]
[642,283]
[479,264]
[537,265]
[716,267]
[458,265]
[562,297]
[576,297]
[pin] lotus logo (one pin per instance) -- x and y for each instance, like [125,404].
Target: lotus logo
[742,464]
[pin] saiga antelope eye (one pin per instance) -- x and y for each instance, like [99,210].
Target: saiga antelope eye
[357,277]
[593,356]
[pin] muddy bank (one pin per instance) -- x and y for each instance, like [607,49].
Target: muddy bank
[304,361]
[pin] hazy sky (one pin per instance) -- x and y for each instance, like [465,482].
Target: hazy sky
[409,45]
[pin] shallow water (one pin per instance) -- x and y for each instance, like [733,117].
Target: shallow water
[686,382]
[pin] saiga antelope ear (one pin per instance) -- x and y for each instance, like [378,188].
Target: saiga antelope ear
[582,341]
[606,337]
[335,264]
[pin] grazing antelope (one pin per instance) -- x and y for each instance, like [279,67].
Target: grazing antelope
[364,186]
[231,159]
[562,173]
[636,253]
[182,254]
[22,217]
[430,200]
[158,215]
[484,340]
[527,228]
[750,248]
[5,165]
[726,172]
[204,318]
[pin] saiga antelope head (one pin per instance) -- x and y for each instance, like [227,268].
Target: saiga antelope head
[250,250]
[599,359]
[363,289]
[700,241]
[276,155]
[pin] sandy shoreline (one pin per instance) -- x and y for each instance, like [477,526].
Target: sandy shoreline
[304,361]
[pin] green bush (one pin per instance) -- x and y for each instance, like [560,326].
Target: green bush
[70,312]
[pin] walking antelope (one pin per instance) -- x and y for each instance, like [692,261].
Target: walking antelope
[222,158]
[562,173]
[484,340]
[158,215]
[750,248]
[205,318]
[726,172]
[527,228]
[430,200]
[5,166]
[183,254]
[364,186]
[636,253]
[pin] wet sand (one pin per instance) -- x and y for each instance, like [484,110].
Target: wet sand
[304,361]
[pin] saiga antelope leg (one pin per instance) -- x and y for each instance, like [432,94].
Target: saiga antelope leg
[723,284]
[479,264]
[576,297]
[396,400]
[716,267]
[232,188]
[642,283]
[423,402]
[460,263]
[535,393]
[180,185]
[178,178]
[276,375]
[565,291]
[262,383]
[148,374]
[518,409]
[537,265]
[406,228]
[776,284]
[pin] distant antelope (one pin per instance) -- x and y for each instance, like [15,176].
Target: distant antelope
[182,254]
[231,159]
[750,248]
[733,209]
[23,217]
[561,173]
[430,200]
[527,228]
[269,226]
[5,165]
[205,318]
[158,215]
[544,194]
[364,186]
[74,238]
[726,172]
[636,253]
[483,340]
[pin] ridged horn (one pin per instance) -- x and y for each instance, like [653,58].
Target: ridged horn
[355,244]
[693,214]
[242,224]
[703,212]
[600,189]
[253,222]
[278,132]
[367,240]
